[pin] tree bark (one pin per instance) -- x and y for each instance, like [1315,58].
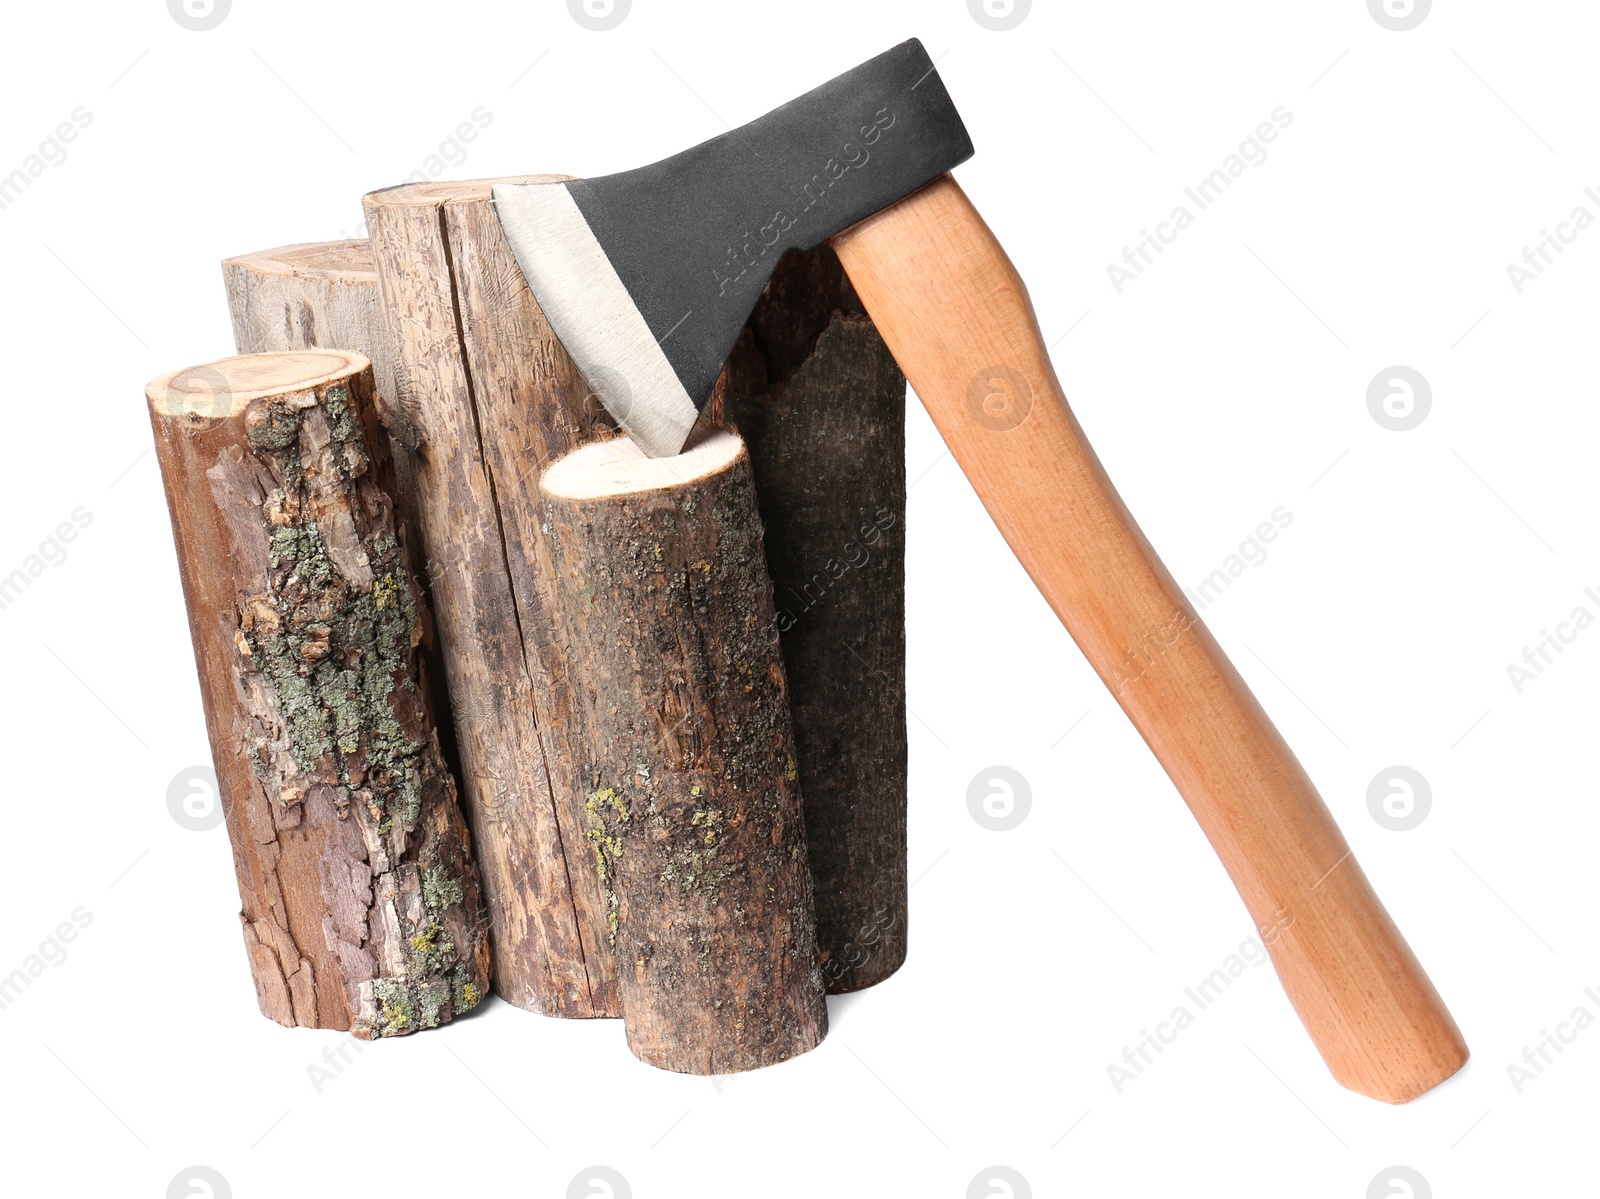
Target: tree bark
[821,405]
[361,905]
[550,956]
[694,819]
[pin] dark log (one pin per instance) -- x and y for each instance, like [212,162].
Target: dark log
[821,406]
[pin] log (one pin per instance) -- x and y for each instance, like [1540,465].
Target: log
[821,405]
[361,904]
[695,821]
[523,795]
[472,340]
[317,294]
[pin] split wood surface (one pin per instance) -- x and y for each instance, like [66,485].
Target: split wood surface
[361,904]
[490,399]
[694,822]
[953,309]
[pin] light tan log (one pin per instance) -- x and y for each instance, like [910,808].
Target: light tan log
[316,294]
[491,398]
[957,316]
[361,906]
[694,818]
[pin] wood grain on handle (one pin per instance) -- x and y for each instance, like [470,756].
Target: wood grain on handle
[956,316]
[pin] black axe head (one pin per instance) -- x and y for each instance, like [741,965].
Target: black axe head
[647,276]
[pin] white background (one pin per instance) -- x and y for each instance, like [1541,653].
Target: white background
[1228,380]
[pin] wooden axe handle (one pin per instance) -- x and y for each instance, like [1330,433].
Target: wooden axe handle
[956,315]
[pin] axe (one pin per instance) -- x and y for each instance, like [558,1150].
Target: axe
[647,278]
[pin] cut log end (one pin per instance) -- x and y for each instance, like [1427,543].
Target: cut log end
[219,390]
[620,467]
[340,261]
[434,192]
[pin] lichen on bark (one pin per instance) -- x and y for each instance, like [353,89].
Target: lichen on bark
[334,635]
[332,649]
[693,815]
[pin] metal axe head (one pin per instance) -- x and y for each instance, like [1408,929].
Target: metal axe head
[647,276]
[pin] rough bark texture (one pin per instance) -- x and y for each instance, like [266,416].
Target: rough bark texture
[694,817]
[361,905]
[550,956]
[821,405]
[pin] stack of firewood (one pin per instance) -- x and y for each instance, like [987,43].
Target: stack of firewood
[669,782]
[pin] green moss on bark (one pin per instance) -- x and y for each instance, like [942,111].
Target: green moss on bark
[334,636]
[335,652]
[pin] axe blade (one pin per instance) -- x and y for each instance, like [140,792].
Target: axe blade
[647,276]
